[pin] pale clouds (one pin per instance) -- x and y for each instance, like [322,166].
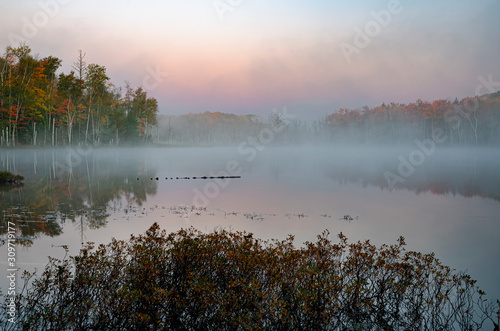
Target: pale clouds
[266,54]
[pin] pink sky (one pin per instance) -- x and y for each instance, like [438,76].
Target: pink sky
[261,56]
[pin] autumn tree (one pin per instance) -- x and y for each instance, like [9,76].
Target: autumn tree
[21,90]
[50,87]
[95,80]
[141,115]
[117,115]
[34,96]
[71,90]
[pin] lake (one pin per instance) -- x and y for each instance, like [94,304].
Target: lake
[446,201]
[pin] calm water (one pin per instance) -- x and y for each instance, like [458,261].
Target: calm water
[449,205]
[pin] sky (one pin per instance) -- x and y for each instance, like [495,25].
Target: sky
[252,56]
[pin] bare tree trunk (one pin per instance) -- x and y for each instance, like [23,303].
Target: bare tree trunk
[80,65]
[34,134]
[53,130]
[13,131]
[87,128]
[70,132]
[473,124]
[69,118]
[50,121]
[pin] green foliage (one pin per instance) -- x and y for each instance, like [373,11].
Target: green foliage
[39,107]
[223,280]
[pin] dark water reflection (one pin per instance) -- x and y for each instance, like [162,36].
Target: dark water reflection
[457,172]
[85,187]
[64,186]
[450,204]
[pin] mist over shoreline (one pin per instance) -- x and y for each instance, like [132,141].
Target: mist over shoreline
[41,107]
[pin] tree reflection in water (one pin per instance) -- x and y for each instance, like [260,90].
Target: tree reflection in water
[81,194]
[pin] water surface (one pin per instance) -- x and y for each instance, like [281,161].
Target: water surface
[449,205]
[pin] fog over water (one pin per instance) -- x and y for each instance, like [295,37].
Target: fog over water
[446,201]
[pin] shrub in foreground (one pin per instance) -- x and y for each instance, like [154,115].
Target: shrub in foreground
[224,280]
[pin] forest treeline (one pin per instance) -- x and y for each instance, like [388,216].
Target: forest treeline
[40,108]
[208,128]
[470,121]
[467,122]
